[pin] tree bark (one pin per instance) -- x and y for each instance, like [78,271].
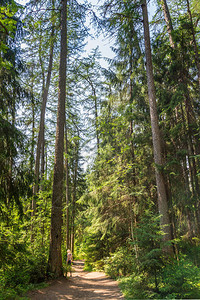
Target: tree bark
[161,189]
[168,22]
[55,257]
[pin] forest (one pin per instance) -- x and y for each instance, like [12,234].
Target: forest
[100,158]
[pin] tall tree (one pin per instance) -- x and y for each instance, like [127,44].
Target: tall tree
[45,90]
[187,108]
[157,147]
[55,257]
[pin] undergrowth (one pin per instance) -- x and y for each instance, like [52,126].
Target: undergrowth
[177,280]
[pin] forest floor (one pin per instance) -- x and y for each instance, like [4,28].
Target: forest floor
[82,285]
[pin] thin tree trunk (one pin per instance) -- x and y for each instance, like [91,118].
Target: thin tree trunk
[74,197]
[168,22]
[187,191]
[188,102]
[96,118]
[187,162]
[55,257]
[133,199]
[42,161]
[191,159]
[33,127]
[161,189]
[67,189]
[95,111]
[196,50]
[40,141]
[190,116]
[32,153]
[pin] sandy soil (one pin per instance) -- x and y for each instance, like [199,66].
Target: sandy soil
[82,285]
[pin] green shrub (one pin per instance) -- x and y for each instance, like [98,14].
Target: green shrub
[20,269]
[180,279]
[177,280]
[121,263]
[136,287]
[88,267]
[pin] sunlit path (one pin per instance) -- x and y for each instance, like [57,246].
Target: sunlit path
[82,285]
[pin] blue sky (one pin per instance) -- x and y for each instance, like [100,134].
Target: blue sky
[102,42]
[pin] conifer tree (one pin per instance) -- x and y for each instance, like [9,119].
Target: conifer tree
[158,157]
[45,90]
[55,257]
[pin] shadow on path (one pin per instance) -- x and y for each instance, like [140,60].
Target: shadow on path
[82,285]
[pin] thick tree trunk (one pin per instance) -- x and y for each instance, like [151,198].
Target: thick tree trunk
[161,189]
[55,257]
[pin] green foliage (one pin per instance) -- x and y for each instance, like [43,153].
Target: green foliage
[177,280]
[95,247]
[149,243]
[20,268]
[120,263]
[23,263]
[180,279]
[136,287]
[8,26]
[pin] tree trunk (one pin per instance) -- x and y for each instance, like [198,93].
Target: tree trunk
[161,189]
[32,152]
[95,111]
[33,126]
[55,257]
[74,197]
[168,22]
[196,50]
[67,190]
[43,162]
[96,117]
[190,116]
[40,142]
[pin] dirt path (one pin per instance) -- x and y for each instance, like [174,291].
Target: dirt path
[82,285]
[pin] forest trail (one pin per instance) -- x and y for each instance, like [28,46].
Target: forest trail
[82,285]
